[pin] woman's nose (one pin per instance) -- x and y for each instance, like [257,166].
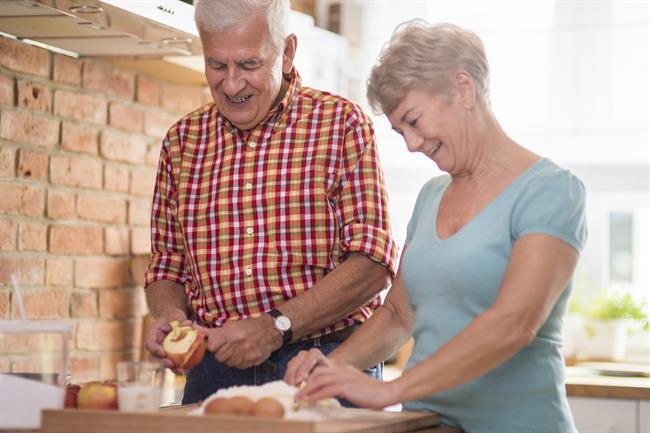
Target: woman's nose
[413,142]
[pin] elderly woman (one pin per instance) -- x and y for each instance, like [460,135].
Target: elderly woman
[486,270]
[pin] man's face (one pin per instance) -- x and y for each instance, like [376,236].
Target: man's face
[244,71]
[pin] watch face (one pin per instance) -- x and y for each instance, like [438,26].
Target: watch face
[283,323]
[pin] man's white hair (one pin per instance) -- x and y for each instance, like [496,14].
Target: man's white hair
[219,15]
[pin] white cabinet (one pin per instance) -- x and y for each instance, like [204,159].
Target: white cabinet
[609,415]
[644,416]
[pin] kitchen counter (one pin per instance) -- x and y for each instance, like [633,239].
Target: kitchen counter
[582,381]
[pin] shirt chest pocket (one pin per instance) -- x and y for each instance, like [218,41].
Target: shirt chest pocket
[302,222]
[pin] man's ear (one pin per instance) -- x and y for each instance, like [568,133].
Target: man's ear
[289,53]
[464,84]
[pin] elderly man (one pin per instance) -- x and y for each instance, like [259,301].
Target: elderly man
[270,227]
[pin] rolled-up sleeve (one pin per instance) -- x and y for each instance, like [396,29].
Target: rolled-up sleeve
[168,259]
[362,207]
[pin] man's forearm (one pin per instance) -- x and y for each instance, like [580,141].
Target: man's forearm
[350,285]
[167,299]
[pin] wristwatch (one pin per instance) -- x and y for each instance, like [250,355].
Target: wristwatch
[283,324]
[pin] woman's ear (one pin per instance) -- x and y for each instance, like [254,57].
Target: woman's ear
[464,84]
[289,53]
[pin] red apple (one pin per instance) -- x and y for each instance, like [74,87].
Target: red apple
[184,346]
[71,393]
[97,395]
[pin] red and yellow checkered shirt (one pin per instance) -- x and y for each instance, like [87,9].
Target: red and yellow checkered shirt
[246,221]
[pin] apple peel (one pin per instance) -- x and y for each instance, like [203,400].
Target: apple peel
[184,346]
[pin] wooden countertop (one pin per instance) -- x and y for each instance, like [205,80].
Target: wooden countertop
[588,381]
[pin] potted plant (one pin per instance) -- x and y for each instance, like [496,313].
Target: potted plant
[608,320]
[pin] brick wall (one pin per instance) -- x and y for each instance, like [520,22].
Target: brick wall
[79,145]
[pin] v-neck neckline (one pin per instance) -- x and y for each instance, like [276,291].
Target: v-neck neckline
[484,209]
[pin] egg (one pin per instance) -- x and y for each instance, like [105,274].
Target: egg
[229,406]
[268,407]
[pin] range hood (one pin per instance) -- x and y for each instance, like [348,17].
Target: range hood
[86,28]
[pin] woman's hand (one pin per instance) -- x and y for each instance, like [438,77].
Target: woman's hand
[301,365]
[349,383]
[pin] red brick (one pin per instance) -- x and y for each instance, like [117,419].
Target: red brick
[32,165]
[8,235]
[76,171]
[83,368]
[78,138]
[152,157]
[116,241]
[157,123]
[5,309]
[140,212]
[30,271]
[24,58]
[76,239]
[116,178]
[179,98]
[148,90]
[32,237]
[101,208]
[67,70]
[83,304]
[100,335]
[7,162]
[99,272]
[133,334]
[7,91]
[143,181]
[138,267]
[46,304]
[22,199]
[80,106]
[140,240]
[125,117]
[34,96]
[121,303]
[58,272]
[103,77]
[118,146]
[60,205]
[20,343]
[24,127]
[108,363]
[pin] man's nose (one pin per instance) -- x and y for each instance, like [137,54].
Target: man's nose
[233,82]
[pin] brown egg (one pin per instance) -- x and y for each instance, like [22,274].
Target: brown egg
[241,405]
[268,407]
[218,406]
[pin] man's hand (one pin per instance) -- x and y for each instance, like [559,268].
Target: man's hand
[157,333]
[243,343]
[301,365]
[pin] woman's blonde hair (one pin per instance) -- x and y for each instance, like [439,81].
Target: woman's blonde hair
[219,15]
[421,55]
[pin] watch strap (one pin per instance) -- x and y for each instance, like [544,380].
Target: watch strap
[287,335]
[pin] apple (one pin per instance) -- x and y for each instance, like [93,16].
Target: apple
[71,393]
[184,346]
[97,395]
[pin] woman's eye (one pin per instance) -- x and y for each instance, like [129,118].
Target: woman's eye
[414,122]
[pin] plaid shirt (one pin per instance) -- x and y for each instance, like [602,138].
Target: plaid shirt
[246,221]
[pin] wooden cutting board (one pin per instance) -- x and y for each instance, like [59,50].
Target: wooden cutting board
[177,420]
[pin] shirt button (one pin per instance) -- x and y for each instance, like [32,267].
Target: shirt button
[248,272]
[249,231]
[252,145]
[248,186]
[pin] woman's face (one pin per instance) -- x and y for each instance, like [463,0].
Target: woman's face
[435,125]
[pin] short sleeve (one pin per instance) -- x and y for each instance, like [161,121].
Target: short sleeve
[552,203]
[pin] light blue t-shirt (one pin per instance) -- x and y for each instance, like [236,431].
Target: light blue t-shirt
[451,281]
